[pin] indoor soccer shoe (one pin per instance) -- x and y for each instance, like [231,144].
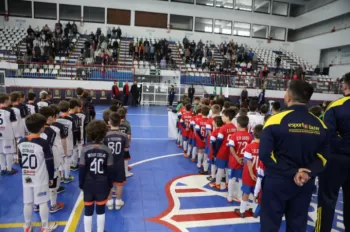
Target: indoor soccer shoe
[57,207]
[61,189]
[119,204]
[3,172]
[27,229]
[52,226]
[12,172]
[74,168]
[238,212]
[129,174]
[68,180]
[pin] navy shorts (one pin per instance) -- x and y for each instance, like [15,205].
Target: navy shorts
[96,192]
[221,163]
[235,173]
[119,172]
[246,189]
[127,155]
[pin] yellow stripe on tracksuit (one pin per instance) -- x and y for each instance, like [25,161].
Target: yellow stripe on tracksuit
[318,221]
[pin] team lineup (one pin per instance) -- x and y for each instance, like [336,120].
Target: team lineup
[241,150]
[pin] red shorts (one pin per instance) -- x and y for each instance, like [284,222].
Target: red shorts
[199,143]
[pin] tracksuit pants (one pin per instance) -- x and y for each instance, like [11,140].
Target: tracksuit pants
[282,197]
[335,176]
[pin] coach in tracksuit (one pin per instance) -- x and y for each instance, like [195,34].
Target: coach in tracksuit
[294,148]
[337,173]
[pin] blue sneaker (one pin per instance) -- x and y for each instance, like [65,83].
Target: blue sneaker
[12,172]
[3,172]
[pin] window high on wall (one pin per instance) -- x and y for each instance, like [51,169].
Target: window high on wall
[278,33]
[241,29]
[2,7]
[262,6]
[205,2]
[184,1]
[246,5]
[119,17]
[260,31]
[224,4]
[70,12]
[44,10]
[203,25]
[94,14]
[223,27]
[20,8]
[181,22]
[280,8]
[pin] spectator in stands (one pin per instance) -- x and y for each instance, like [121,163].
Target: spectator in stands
[317,70]
[152,51]
[135,94]
[249,66]
[250,55]
[30,31]
[278,62]
[212,65]
[119,33]
[276,107]
[191,92]
[262,97]
[187,55]
[136,51]
[265,71]
[126,92]
[115,90]
[141,51]
[244,95]
[163,63]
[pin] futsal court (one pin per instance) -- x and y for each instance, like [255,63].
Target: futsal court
[165,193]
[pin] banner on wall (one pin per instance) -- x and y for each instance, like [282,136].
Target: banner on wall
[69,94]
[57,94]
[172,130]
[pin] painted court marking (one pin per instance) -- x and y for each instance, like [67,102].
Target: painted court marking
[76,213]
[161,115]
[21,224]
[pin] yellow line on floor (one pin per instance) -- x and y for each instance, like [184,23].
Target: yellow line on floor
[21,224]
[76,217]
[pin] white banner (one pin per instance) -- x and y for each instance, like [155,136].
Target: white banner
[172,130]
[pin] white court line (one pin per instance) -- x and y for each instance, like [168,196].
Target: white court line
[80,198]
[151,139]
[161,115]
[149,126]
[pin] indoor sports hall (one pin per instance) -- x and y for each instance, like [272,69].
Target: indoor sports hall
[155,57]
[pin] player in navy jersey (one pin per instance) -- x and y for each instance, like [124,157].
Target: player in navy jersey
[95,175]
[7,135]
[118,142]
[51,136]
[31,106]
[74,106]
[69,126]
[37,163]
[60,143]
[20,111]
[125,127]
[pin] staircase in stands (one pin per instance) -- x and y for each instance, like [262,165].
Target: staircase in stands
[175,54]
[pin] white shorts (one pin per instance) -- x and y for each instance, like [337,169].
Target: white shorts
[37,195]
[7,146]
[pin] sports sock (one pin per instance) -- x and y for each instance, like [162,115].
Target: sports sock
[75,157]
[181,140]
[200,158]
[185,146]
[44,214]
[2,162]
[178,137]
[239,188]
[219,174]
[189,149]
[9,161]
[27,211]
[194,152]
[67,164]
[243,206]
[231,187]
[226,171]
[213,171]
[126,167]
[88,223]
[101,222]
[58,182]
[53,196]
[205,162]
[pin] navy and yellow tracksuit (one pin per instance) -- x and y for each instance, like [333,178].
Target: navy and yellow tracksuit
[337,173]
[290,140]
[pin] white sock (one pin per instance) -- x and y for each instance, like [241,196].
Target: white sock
[75,157]
[2,162]
[27,211]
[226,171]
[243,206]
[189,149]
[58,182]
[9,160]
[213,171]
[53,197]
[219,175]
[200,159]
[80,149]
[180,139]
[44,214]
[205,163]
[126,167]
[88,223]
[194,152]
[67,164]
[239,188]
[178,136]
[231,188]
[185,146]
[101,222]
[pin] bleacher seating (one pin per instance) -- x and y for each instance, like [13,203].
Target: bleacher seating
[10,38]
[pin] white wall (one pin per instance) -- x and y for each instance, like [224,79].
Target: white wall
[335,56]
[338,71]
[323,13]
[310,49]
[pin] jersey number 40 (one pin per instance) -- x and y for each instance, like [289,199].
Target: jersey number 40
[96,166]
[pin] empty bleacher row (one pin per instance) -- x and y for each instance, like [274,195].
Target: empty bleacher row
[10,38]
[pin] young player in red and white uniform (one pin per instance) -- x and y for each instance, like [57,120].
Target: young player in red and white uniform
[185,123]
[249,177]
[201,140]
[237,144]
[217,123]
[193,123]
[8,134]
[215,111]
[179,115]
[257,189]
[222,151]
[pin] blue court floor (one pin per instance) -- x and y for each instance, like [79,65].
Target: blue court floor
[165,193]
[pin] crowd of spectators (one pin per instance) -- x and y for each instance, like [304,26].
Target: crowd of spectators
[45,44]
[157,51]
[101,49]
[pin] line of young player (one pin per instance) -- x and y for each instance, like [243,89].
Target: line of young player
[50,138]
[227,140]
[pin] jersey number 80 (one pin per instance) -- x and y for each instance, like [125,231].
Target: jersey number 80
[116,147]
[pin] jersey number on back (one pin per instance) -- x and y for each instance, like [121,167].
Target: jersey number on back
[29,161]
[116,147]
[242,146]
[1,120]
[96,166]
